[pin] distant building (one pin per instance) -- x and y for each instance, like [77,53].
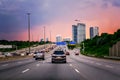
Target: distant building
[66,39]
[47,39]
[79,32]
[93,32]
[58,38]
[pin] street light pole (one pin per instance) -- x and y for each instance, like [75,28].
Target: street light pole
[29,30]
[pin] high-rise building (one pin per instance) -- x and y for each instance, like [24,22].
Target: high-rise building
[93,32]
[79,32]
[58,38]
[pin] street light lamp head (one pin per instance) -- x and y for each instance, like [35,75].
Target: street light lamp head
[28,13]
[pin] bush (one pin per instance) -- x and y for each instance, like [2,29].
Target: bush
[71,46]
[99,45]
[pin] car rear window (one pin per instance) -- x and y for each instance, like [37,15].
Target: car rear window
[39,53]
[59,52]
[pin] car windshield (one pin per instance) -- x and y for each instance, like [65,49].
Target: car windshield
[58,52]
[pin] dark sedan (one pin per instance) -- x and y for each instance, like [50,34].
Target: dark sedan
[58,56]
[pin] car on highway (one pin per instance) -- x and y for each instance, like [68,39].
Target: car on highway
[7,54]
[34,54]
[77,53]
[39,55]
[67,53]
[58,56]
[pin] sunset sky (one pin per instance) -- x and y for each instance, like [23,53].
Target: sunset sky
[57,16]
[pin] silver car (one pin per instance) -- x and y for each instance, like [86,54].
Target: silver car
[39,55]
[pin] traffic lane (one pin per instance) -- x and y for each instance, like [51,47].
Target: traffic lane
[14,63]
[13,72]
[14,66]
[18,63]
[113,67]
[95,72]
[106,62]
[115,62]
[8,74]
[44,70]
[10,64]
[49,71]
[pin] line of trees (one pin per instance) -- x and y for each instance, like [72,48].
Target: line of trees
[99,45]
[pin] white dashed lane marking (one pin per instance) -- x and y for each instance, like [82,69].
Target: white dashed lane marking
[77,71]
[19,62]
[5,65]
[37,65]
[91,62]
[70,65]
[98,63]
[25,70]
[108,66]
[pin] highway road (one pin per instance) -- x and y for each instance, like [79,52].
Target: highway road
[77,68]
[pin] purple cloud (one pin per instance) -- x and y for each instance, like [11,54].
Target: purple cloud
[115,3]
[13,17]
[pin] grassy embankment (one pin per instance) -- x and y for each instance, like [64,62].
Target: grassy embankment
[99,45]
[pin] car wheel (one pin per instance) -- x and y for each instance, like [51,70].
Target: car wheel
[52,61]
[65,61]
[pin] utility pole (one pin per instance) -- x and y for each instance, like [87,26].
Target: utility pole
[29,30]
[44,37]
[50,40]
[50,36]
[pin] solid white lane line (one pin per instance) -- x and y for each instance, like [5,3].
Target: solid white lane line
[77,71]
[108,66]
[5,65]
[25,70]
[98,63]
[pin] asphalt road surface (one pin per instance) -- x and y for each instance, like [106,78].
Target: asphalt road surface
[77,68]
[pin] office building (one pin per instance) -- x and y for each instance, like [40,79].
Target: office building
[79,32]
[94,31]
[58,38]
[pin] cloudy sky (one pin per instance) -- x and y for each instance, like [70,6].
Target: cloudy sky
[57,16]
